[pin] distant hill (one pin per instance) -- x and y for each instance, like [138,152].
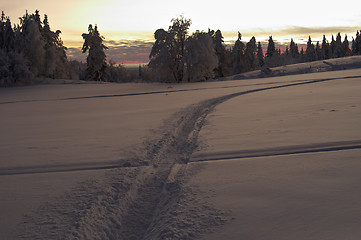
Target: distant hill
[301,68]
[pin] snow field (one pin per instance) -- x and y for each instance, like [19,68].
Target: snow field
[149,132]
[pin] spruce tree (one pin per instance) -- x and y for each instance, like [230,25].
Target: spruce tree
[325,48]
[310,51]
[260,56]
[338,51]
[271,49]
[238,55]
[353,46]
[318,51]
[294,49]
[56,60]
[250,52]
[358,43]
[346,47]
[96,60]
[332,47]
[222,69]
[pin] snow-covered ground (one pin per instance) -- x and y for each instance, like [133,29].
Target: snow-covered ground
[270,158]
[286,162]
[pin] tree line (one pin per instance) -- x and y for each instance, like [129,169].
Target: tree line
[177,56]
[31,49]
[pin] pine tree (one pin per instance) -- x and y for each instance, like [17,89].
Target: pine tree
[56,60]
[238,55]
[271,49]
[302,54]
[33,44]
[222,69]
[260,56]
[96,60]
[310,51]
[346,47]
[318,51]
[294,49]
[332,47]
[358,43]
[325,49]
[251,57]
[338,51]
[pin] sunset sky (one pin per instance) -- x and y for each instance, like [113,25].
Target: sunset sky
[128,25]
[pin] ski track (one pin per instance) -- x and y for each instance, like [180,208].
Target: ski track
[148,201]
[172,91]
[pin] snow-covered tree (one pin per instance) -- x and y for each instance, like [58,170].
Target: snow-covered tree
[32,49]
[7,36]
[223,68]
[200,57]
[166,58]
[56,62]
[96,60]
[179,32]
[33,44]
[161,60]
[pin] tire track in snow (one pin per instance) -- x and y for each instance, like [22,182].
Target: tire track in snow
[142,202]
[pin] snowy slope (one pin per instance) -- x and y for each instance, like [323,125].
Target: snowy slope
[108,161]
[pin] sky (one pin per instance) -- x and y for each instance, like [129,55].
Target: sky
[128,25]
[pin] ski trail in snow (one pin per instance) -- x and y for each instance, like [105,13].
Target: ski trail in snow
[145,202]
[278,151]
[173,91]
[53,168]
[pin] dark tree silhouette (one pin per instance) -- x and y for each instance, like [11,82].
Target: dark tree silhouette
[310,51]
[238,55]
[179,31]
[325,49]
[223,68]
[96,60]
[251,55]
[271,49]
[294,49]
[260,56]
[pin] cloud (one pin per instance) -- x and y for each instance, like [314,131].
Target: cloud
[118,51]
[317,31]
[138,50]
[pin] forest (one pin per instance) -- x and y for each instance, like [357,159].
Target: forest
[30,50]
